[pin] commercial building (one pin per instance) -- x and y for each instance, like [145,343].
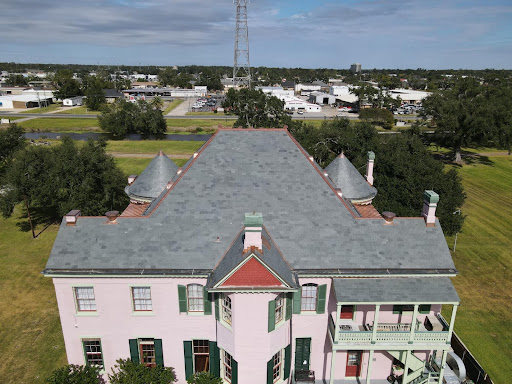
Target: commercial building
[409,96]
[322,98]
[254,263]
[24,101]
[306,89]
[355,68]
[279,92]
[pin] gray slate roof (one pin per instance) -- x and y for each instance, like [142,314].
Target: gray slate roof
[346,177]
[271,257]
[407,290]
[153,180]
[245,171]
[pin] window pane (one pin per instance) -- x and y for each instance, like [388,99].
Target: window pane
[142,299]
[276,373]
[85,300]
[147,352]
[308,302]
[92,350]
[195,298]
[226,309]
[227,365]
[279,307]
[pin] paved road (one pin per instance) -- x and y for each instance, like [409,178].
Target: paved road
[316,116]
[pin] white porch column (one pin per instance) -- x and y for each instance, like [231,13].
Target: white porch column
[375,323]
[336,322]
[441,368]
[333,364]
[369,371]
[413,323]
[452,324]
[406,367]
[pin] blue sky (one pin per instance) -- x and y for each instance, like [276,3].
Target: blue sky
[436,34]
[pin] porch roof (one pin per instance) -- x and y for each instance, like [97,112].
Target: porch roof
[407,290]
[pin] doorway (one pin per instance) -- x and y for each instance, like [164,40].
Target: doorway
[353,364]
[302,354]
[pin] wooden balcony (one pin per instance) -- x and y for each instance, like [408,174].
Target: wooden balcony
[352,335]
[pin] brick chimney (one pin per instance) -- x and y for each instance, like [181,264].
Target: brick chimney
[72,216]
[369,167]
[253,223]
[430,200]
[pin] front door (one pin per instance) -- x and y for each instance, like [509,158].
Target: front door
[353,364]
[302,354]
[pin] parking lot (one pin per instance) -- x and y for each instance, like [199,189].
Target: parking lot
[205,104]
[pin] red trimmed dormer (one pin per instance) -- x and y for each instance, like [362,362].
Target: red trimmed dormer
[252,274]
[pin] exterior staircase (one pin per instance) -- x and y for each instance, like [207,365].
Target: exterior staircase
[421,373]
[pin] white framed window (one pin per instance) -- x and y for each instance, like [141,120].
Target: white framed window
[195,298]
[201,351]
[280,308]
[142,299]
[92,352]
[226,308]
[277,366]
[227,365]
[309,297]
[85,300]
[147,352]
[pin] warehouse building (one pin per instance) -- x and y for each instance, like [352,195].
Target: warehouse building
[23,101]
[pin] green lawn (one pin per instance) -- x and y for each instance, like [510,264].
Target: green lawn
[135,166]
[82,110]
[154,146]
[175,124]
[31,343]
[203,113]
[173,104]
[50,108]
[48,124]
[484,259]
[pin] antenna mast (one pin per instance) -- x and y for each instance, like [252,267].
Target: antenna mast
[241,67]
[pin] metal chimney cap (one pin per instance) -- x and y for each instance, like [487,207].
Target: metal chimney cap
[388,216]
[112,215]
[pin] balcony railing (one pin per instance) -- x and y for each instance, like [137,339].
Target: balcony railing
[387,333]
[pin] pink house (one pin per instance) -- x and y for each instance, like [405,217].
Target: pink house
[255,264]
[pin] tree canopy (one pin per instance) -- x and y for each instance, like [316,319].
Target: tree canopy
[255,109]
[124,117]
[54,180]
[66,85]
[95,96]
[471,114]
[11,140]
[404,168]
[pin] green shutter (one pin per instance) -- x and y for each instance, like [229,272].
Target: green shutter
[217,309]
[299,350]
[189,365]
[271,315]
[214,359]
[296,301]
[207,302]
[182,295]
[424,309]
[159,353]
[234,371]
[397,309]
[288,314]
[270,371]
[287,361]
[134,351]
[320,301]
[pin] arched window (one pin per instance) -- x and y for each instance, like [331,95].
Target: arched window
[309,297]
[279,307]
[195,298]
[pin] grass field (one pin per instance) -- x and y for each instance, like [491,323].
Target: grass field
[50,108]
[173,124]
[82,110]
[173,104]
[203,113]
[484,259]
[135,166]
[154,146]
[48,124]
[31,343]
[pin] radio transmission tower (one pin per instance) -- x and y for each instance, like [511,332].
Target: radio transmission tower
[241,67]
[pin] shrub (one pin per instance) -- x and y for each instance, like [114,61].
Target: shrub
[76,374]
[130,373]
[204,378]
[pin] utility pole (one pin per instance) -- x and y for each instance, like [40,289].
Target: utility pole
[241,67]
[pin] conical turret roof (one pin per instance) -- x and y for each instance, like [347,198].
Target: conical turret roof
[153,180]
[346,177]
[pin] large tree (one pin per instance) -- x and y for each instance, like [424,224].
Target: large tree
[66,85]
[471,114]
[404,168]
[53,180]
[255,109]
[11,140]
[94,94]
[124,117]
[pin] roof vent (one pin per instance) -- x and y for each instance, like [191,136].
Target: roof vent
[131,179]
[169,185]
[388,216]
[338,191]
[311,158]
[112,216]
[326,174]
[196,154]
[72,216]
[180,169]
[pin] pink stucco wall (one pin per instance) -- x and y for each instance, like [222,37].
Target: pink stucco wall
[115,322]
